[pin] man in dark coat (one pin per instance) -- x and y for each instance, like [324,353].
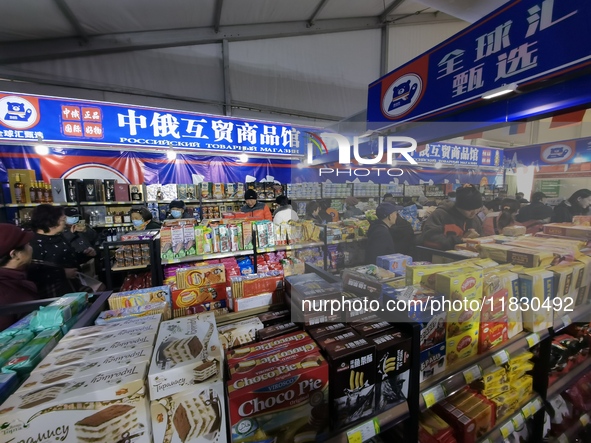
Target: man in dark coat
[379,239]
[536,210]
[452,223]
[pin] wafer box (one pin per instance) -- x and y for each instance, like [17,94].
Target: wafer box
[196,415]
[255,350]
[536,285]
[187,351]
[149,322]
[105,407]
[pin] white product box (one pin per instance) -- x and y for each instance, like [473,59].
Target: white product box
[151,321]
[256,301]
[107,407]
[196,415]
[537,286]
[52,362]
[239,333]
[76,341]
[83,369]
[114,341]
[187,352]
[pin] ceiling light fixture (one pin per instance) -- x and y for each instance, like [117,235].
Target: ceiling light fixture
[502,90]
[40,147]
[243,158]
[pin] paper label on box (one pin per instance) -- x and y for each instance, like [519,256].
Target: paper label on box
[364,432]
[434,395]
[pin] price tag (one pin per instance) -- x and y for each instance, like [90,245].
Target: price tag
[473,373]
[532,339]
[364,432]
[501,357]
[518,421]
[566,320]
[433,395]
[563,438]
[536,406]
[584,419]
[507,429]
[527,410]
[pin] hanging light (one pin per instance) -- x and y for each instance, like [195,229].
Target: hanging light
[243,158]
[438,165]
[40,147]
[171,155]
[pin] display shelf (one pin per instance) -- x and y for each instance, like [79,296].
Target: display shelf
[128,268]
[567,380]
[581,313]
[385,420]
[507,426]
[99,304]
[350,240]
[110,203]
[466,371]
[231,317]
[32,205]
[165,202]
[207,257]
[573,430]
[112,225]
[290,247]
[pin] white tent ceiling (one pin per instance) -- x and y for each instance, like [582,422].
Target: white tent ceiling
[283,60]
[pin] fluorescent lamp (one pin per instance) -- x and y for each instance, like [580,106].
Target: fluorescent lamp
[438,165]
[41,149]
[502,90]
[243,158]
[171,155]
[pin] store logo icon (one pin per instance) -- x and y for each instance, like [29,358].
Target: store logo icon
[558,153]
[17,112]
[402,95]
[394,145]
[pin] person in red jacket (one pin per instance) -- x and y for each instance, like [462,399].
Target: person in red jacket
[15,254]
[254,208]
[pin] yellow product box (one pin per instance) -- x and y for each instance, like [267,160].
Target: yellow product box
[568,230]
[497,389]
[485,263]
[218,191]
[586,261]
[578,275]
[495,252]
[523,386]
[460,284]
[530,258]
[459,322]
[462,346]
[416,274]
[520,359]
[563,288]
[506,404]
[494,376]
[205,275]
[536,286]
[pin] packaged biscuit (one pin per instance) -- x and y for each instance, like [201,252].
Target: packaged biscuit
[152,320]
[353,375]
[59,312]
[459,322]
[319,331]
[462,346]
[48,376]
[266,347]
[239,333]
[204,275]
[393,350]
[145,332]
[166,243]
[287,404]
[433,362]
[536,285]
[187,351]
[112,316]
[494,251]
[563,288]
[366,280]
[186,300]
[11,345]
[506,404]
[24,324]
[395,263]
[460,284]
[494,375]
[277,330]
[492,334]
[109,407]
[568,230]
[31,354]
[274,317]
[196,415]
[336,336]
[419,273]
[178,241]
[433,429]
[368,329]
[139,297]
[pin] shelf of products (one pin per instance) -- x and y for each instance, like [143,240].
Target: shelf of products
[506,427]
[108,203]
[290,247]
[563,383]
[579,314]
[32,205]
[372,427]
[207,257]
[469,370]
[231,317]
[128,268]
[112,225]
[574,430]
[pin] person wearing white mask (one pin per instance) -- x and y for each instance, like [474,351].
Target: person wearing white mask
[141,218]
[178,210]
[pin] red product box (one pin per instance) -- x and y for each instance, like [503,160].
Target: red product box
[492,334]
[266,347]
[183,299]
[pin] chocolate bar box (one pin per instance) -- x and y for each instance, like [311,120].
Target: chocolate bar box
[353,376]
[104,407]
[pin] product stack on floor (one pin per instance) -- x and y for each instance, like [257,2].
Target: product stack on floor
[494,347]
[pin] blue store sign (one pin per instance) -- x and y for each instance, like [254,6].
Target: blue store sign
[25,118]
[523,42]
[464,155]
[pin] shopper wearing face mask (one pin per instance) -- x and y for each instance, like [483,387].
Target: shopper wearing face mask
[77,232]
[178,210]
[55,264]
[452,223]
[15,255]
[141,218]
[577,204]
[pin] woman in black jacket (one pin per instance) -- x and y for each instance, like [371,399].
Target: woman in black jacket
[577,204]
[55,262]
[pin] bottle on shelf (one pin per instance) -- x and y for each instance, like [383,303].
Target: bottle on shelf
[47,193]
[33,193]
[39,192]
[19,190]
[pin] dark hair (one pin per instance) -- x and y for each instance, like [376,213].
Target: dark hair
[509,207]
[282,200]
[4,260]
[45,217]
[324,204]
[311,207]
[537,197]
[493,205]
[144,212]
[520,194]
[451,194]
[581,193]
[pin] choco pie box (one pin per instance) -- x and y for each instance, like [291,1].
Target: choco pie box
[289,402]
[103,407]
